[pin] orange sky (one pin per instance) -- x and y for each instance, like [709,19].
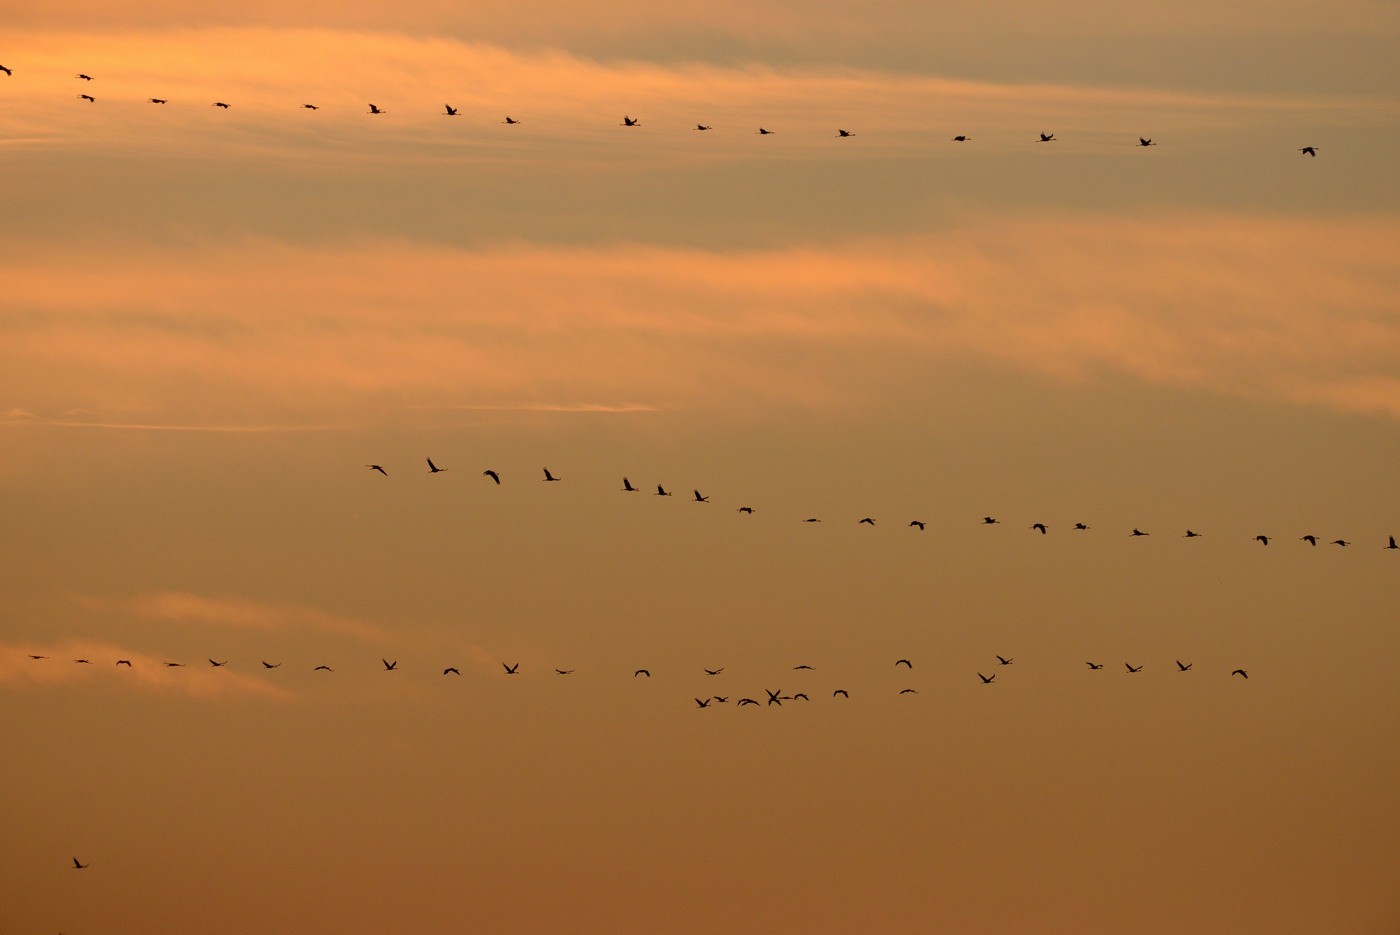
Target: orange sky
[213,321]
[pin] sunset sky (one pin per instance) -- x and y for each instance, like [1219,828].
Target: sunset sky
[213,320]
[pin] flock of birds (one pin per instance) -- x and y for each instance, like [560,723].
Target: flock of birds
[374,110]
[1041,528]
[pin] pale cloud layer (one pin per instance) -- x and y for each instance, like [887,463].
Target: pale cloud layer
[1289,310]
[184,608]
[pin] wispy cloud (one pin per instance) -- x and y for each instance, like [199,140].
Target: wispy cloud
[146,672]
[1294,310]
[201,610]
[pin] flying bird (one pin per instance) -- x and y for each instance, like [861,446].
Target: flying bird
[1094,665]
[124,662]
[989,520]
[1145,141]
[842,692]
[662,491]
[842,134]
[1241,672]
[310,107]
[903,662]
[1039,527]
[803,666]
[76,864]
[269,665]
[1191,534]
[89,98]
[700,498]
[1341,542]
[802,695]
[375,110]
[1263,539]
[1392,544]
[1138,532]
[866,522]
[702,703]
[631,121]
[564,671]
[7,72]
[157,100]
[918,523]
[811,519]
[548,476]
[1046,138]
[1004,661]
[493,475]
[1183,668]
[714,671]
[744,701]
[174,665]
[749,510]
[1310,540]
[701,126]
[722,699]
[1309,150]
[452,669]
[627,486]
[84,77]
[390,666]
[1131,669]
[323,669]
[641,672]
[909,691]
[433,468]
[451,111]
[32,656]
[221,105]
[775,697]
[510,120]
[1080,526]
[987,679]
[512,670]
[763,132]
[218,665]
[88,662]
[376,467]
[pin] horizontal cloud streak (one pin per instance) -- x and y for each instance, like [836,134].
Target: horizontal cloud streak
[239,613]
[1291,310]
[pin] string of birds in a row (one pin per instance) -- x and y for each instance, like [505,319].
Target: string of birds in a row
[374,110]
[775,696]
[918,524]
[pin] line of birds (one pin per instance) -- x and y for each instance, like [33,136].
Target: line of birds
[392,665]
[627,120]
[921,525]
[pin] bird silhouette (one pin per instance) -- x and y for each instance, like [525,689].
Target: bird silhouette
[375,110]
[221,105]
[1004,661]
[1183,668]
[1138,532]
[1046,138]
[1392,544]
[909,691]
[1094,665]
[1080,526]
[493,475]
[842,692]
[1131,669]
[702,703]
[1145,141]
[1341,542]
[989,520]
[811,519]
[89,98]
[157,100]
[763,132]
[1240,672]
[722,699]
[451,669]
[987,679]
[310,107]
[627,486]
[701,126]
[803,666]
[961,138]
[88,662]
[84,77]
[1309,150]
[1039,527]
[1191,534]
[7,71]
[564,671]
[714,671]
[662,491]
[548,476]
[1310,540]
[511,670]
[433,468]
[641,672]
[76,864]
[699,498]
[744,701]
[801,695]
[1263,539]
[390,666]
[918,523]
[323,669]
[450,110]
[375,467]
[842,134]
[510,120]
[218,665]
[124,662]
[269,665]
[32,656]
[867,521]
[903,662]
[745,509]
[174,665]
[631,122]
